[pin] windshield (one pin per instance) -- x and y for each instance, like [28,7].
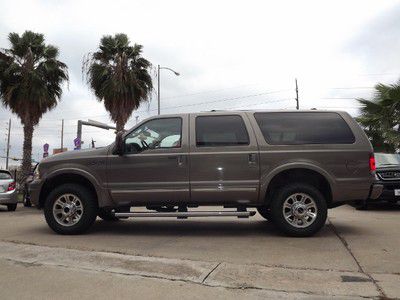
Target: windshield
[5,175]
[386,159]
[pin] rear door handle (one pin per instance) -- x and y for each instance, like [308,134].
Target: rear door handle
[252,159]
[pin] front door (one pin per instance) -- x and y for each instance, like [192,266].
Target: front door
[224,159]
[154,166]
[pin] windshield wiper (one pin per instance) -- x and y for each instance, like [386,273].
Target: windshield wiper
[389,164]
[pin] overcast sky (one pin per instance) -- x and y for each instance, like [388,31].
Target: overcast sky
[231,55]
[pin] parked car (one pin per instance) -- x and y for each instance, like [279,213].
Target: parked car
[27,196]
[289,165]
[8,195]
[388,174]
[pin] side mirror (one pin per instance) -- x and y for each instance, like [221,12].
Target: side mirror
[119,144]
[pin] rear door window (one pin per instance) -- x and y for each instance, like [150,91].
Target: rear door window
[304,128]
[217,131]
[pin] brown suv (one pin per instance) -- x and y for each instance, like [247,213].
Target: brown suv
[289,165]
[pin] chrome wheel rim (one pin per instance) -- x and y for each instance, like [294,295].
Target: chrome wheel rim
[67,210]
[300,210]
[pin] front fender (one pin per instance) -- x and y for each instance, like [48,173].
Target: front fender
[72,170]
[101,191]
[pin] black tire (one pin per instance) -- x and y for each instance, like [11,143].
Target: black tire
[12,207]
[277,215]
[265,212]
[106,215]
[89,205]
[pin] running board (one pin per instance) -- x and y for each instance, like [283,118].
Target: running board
[186,214]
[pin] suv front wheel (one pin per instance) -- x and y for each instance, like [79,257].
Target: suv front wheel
[70,209]
[299,210]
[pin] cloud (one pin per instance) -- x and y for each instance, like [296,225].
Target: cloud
[224,50]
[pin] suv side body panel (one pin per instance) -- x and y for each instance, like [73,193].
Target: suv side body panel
[344,166]
[224,174]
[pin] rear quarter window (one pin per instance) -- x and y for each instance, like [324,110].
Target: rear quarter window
[304,128]
[5,175]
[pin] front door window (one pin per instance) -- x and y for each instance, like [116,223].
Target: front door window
[155,134]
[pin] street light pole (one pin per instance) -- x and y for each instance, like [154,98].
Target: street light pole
[297,95]
[158,85]
[158,88]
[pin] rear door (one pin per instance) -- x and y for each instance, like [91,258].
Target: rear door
[224,161]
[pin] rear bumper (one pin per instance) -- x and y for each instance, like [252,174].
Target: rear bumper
[388,191]
[375,191]
[8,197]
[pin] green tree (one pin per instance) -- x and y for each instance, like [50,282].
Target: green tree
[381,117]
[119,76]
[31,81]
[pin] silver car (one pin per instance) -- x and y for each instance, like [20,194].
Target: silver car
[8,195]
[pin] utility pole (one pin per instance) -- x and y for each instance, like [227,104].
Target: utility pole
[8,143]
[158,89]
[297,95]
[62,135]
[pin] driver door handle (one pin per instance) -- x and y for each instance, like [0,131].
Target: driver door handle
[180,159]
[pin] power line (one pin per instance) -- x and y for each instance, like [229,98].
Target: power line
[348,98]
[266,102]
[211,91]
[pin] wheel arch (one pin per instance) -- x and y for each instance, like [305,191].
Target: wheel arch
[302,173]
[69,176]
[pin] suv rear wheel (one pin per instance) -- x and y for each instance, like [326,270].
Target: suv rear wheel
[70,209]
[299,210]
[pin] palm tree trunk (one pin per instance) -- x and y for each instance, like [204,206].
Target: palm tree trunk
[120,126]
[27,151]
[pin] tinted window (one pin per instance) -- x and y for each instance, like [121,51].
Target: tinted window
[5,175]
[214,131]
[155,134]
[304,128]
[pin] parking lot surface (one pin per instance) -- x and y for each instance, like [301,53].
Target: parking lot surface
[355,255]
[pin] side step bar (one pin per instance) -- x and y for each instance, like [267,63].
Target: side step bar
[187,214]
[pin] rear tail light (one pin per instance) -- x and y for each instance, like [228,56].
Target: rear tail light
[372,165]
[11,186]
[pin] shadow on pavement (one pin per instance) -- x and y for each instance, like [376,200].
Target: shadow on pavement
[185,228]
[384,206]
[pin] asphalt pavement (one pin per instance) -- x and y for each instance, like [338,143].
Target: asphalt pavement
[356,255]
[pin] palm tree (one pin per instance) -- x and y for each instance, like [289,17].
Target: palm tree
[119,76]
[31,81]
[381,117]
